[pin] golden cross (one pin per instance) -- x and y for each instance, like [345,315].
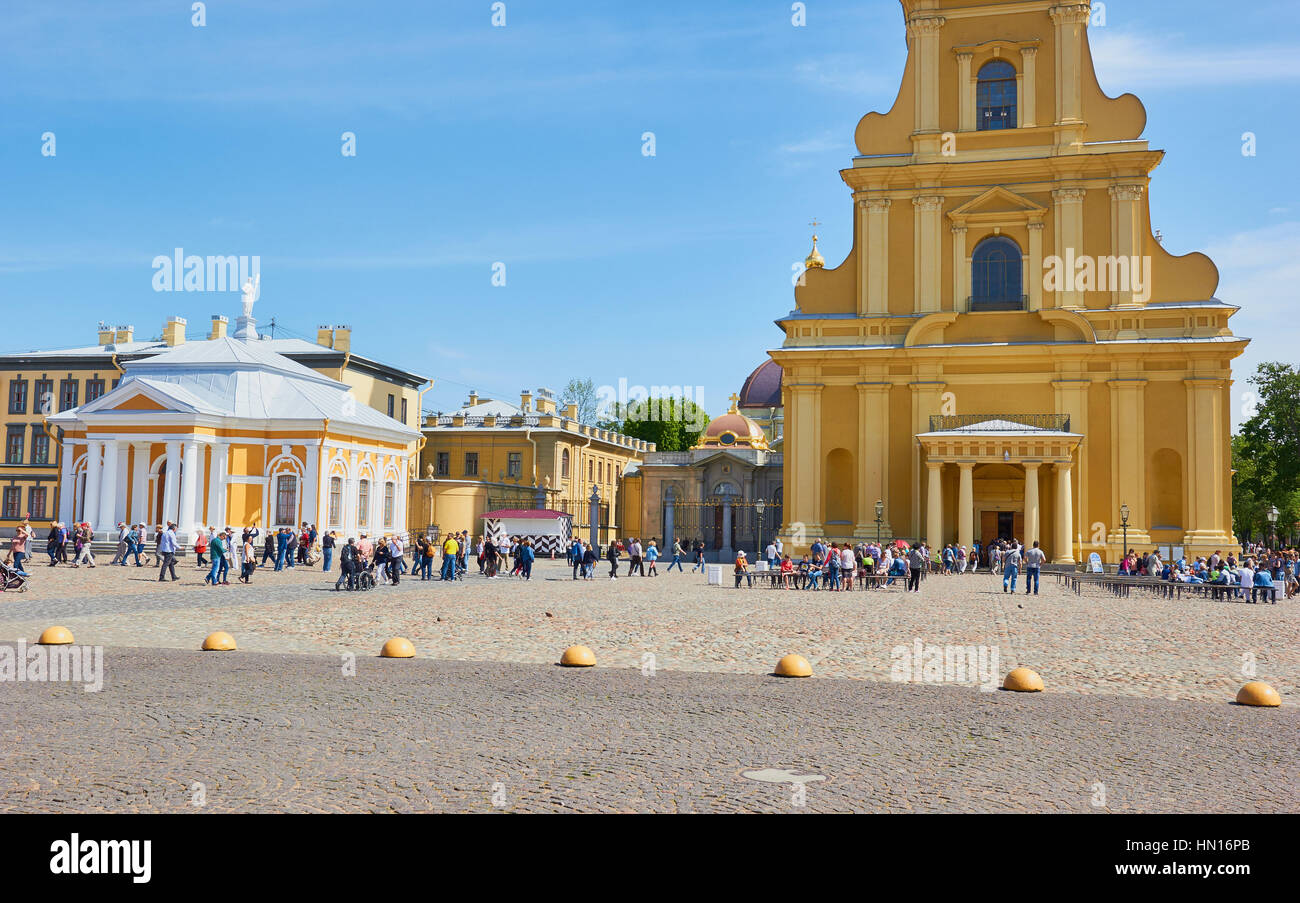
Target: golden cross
[735,400]
[814,224]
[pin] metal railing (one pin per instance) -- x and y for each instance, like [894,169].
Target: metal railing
[957,423]
[977,304]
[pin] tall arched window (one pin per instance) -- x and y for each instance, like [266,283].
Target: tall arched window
[996,281]
[336,501]
[564,464]
[995,96]
[363,503]
[286,500]
[390,504]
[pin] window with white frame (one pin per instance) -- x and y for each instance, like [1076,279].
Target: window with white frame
[336,501]
[363,503]
[390,504]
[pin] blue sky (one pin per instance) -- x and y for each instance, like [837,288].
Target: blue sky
[522,145]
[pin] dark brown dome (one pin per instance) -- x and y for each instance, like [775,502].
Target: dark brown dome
[763,387]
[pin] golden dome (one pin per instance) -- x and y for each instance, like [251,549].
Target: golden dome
[814,261]
[732,430]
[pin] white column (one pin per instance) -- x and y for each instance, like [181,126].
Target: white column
[966,92]
[1064,516]
[875,251]
[961,276]
[140,482]
[200,487]
[1031,503]
[934,507]
[1126,208]
[107,490]
[1069,238]
[94,450]
[311,486]
[67,483]
[217,484]
[966,506]
[120,512]
[928,233]
[171,484]
[1035,278]
[1029,87]
[189,491]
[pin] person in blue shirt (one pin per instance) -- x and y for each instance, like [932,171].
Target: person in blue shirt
[167,552]
[1264,582]
[281,545]
[526,556]
[651,556]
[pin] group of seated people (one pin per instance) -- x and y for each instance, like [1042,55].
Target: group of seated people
[1250,579]
[839,568]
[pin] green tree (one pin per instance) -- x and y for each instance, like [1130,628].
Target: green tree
[582,392]
[672,424]
[1266,455]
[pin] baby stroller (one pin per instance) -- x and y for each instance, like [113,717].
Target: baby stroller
[11,580]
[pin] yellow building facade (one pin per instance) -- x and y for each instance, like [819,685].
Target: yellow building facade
[1007,351]
[40,384]
[493,454]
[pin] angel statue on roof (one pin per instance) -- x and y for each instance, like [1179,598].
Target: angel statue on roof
[252,291]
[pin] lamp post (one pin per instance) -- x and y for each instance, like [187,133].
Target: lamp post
[1272,525]
[759,507]
[880,518]
[1123,514]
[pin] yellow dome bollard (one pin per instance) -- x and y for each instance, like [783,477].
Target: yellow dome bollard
[1023,680]
[578,657]
[56,636]
[219,642]
[793,666]
[398,647]
[1258,693]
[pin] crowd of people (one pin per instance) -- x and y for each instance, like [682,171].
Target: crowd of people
[1257,573]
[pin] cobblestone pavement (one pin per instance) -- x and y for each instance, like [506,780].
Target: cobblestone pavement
[292,733]
[1191,649]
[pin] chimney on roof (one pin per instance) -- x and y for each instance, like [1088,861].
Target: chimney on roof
[174,332]
[473,398]
[342,339]
[123,334]
[105,334]
[571,411]
[219,326]
[526,400]
[324,337]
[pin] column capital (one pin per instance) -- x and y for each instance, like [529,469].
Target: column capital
[1028,52]
[1071,13]
[1032,465]
[1069,195]
[963,55]
[1127,192]
[928,202]
[934,465]
[875,205]
[925,25]
[966,465]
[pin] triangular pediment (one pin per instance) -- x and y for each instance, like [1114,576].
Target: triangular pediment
[998,203]
[146,397]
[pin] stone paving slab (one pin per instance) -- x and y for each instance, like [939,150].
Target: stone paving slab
[1189,649]
[291,733]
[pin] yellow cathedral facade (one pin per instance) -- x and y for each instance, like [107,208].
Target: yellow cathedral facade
[1007,351]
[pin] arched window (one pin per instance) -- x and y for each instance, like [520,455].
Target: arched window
[336,501]
[996,280]
[995,96]
[363,503]
[564,464]
[286,500]
[390,497]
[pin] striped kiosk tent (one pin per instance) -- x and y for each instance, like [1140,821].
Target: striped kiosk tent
[550,531]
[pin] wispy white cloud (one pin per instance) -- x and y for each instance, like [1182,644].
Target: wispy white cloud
[1260,271]
[1128,61]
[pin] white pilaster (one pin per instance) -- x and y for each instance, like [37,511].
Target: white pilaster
[187,522]
[139,482]
[171,484]
[107,490]
[94,452]
[311,486]
[67,482]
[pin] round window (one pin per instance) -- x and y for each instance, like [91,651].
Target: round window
[727,438]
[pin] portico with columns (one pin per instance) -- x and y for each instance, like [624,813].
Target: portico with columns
[227,433]
[1012,481]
